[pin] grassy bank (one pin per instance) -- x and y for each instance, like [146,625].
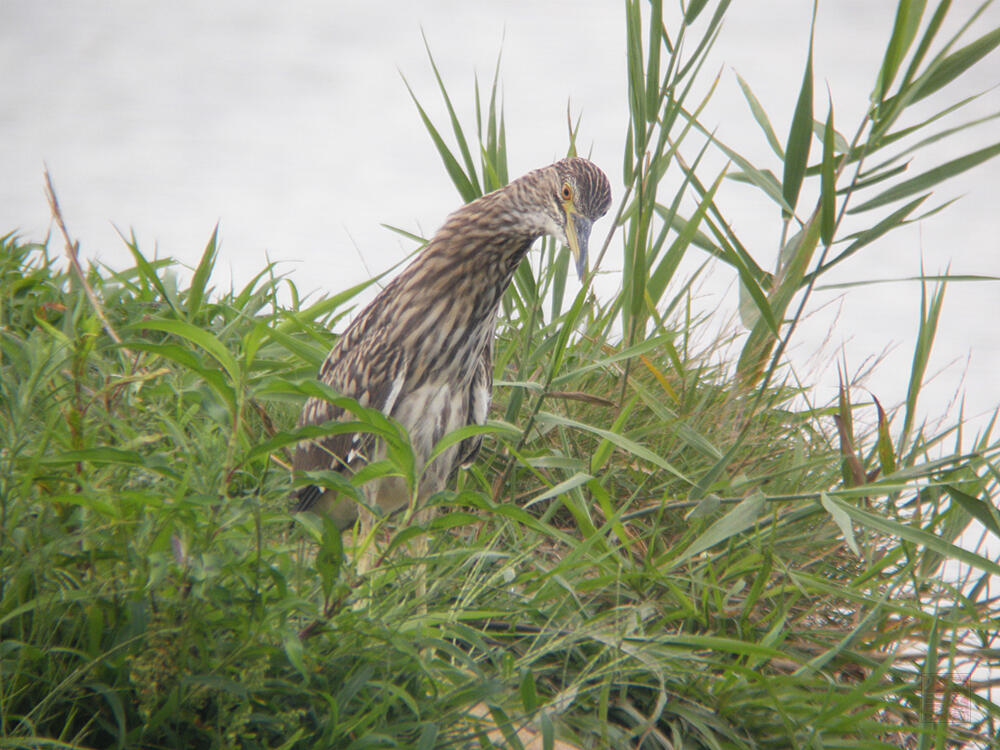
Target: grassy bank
[658,548]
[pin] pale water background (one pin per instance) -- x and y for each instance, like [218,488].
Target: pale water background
[289,125]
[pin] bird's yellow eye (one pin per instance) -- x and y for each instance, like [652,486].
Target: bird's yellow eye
[567,192]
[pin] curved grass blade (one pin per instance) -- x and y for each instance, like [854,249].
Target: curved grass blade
[761,117]
[908,15]
[196,293]
[800,134]
[828,185]
[456,126]
[740,518]
[915,535]
[460,180]
[930,178]
[200,338]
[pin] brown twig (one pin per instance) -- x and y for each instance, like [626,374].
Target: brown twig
[73,253]
[587,398]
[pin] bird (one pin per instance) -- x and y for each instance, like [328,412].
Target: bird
[421,352]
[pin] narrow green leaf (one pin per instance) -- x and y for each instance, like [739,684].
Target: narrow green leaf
[559,349]
[708,38]
[408,235]
[763,179]
[800,135]
[886,453]
[759,343]
[979,508]
[548,731]
[908,14]
[628,168]
[678,223]
[560,275]
[844,409]
[930,178]
[428,736]
[664,270]
[329,556]
[455,124]
[705,507]
[506,727]
[761,579]
[252,342]
[636,85]
[840,143]
[956,64]
[199,281]
[941,70]
[693,9]
[459,179]
[897,135]
[926,332]
[761,117]
[843,522]
[916,535]
[863,626]
[653,63]
[643,347]
[630,446]
[147,271]
[579,478]
[947,277]
[930,676]
[828,185]
[741,517]
[529,696]
[105,455]
[215,378]
[198,336]
[930,31]
[896,219]
[296,654]
[603,451]
[492,427]
[497,136]
[873,177]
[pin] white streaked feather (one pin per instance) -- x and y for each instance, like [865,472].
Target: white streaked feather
[353,454]
[481,397]
[395,388]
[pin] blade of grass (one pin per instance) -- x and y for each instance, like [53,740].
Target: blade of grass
[800,134]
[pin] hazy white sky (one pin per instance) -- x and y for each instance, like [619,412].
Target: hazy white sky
[290,125]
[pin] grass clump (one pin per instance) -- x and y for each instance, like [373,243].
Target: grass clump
[659,548]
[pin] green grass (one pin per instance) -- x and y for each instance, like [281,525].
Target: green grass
[659,547]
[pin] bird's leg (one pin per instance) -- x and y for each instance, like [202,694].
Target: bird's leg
[365,549]
[363,544]
[420,514]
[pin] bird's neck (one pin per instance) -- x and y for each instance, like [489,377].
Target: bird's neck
[444,305]
[470,261]
[472,281]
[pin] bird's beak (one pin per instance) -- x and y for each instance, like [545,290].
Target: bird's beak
[578,237]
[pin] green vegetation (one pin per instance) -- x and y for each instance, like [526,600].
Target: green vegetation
[701,560]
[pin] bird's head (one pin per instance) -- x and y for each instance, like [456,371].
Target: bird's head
[562,200]
[580,195]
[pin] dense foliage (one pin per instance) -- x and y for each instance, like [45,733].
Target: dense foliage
[657,549]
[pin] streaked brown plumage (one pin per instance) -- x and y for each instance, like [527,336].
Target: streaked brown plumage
[422,350]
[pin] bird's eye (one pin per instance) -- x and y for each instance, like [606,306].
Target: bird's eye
[567,192]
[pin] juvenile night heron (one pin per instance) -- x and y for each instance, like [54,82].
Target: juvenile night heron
[422,351]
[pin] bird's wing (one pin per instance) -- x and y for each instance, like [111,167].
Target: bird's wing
[480,396]
[370,376]
[331,452]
